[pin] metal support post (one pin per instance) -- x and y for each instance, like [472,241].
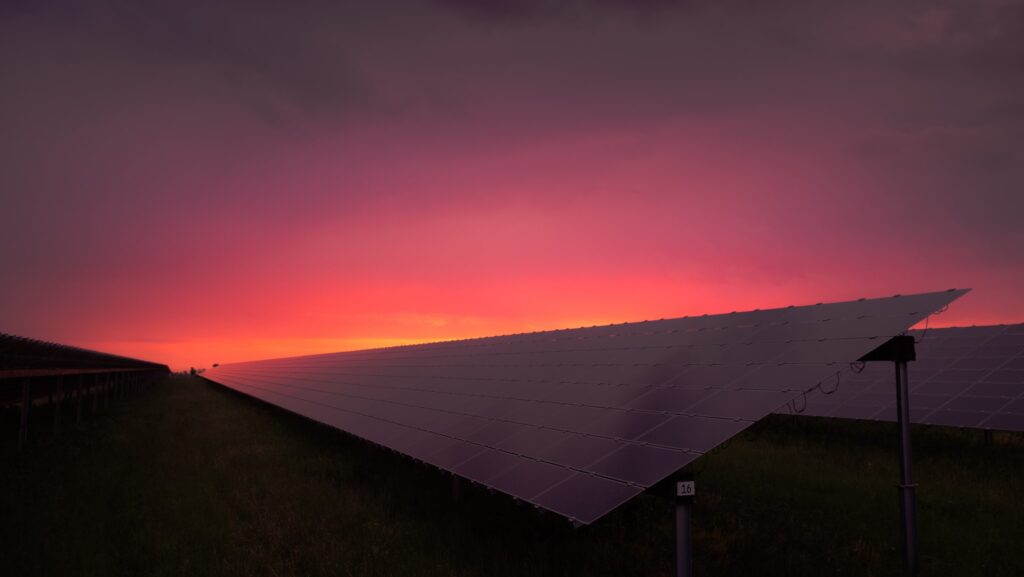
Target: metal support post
[78,397]
[56,408]
[685,491]
[900,350]
[26,400]
[907,487]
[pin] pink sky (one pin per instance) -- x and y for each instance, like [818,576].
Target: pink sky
[191,185]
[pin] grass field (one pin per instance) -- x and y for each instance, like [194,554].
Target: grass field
[191,479]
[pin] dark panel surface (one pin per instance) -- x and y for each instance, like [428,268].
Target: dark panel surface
[579,421]
[963,377]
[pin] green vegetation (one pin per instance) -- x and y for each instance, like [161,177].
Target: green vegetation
[191,479]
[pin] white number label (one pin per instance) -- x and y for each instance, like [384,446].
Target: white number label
[686,488]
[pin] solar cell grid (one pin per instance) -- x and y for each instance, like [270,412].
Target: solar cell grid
[577,421]
[963,377]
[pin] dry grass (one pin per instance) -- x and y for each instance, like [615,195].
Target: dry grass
[191,479]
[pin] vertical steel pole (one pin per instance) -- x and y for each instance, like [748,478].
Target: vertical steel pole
[56,408]
[26,400]
[685,491]
[908,498]
[78,397]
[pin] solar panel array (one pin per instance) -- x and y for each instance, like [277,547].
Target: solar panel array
[21,355]
[579,421]
[48,363]
[963,377]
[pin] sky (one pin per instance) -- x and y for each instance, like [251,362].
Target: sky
[195,182]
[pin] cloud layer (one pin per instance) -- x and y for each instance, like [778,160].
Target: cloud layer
[183,182]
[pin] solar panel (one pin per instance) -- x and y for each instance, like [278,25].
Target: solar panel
[579,421]
[963,377]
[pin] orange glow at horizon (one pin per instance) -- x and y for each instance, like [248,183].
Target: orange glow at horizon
[407,329]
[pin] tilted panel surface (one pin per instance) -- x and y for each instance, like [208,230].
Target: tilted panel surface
[963,377]
[578,421]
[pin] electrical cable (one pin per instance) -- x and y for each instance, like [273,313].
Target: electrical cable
[927,320]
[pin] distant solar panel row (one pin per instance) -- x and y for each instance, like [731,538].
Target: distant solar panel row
[55,368]
[579,421]
[21,356]
[963,377]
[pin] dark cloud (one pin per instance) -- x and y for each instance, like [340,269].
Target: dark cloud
[518,11]
[201,113]
[264,57]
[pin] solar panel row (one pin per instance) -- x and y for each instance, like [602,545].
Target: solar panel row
[579,421]
[21,357]
[963,377]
